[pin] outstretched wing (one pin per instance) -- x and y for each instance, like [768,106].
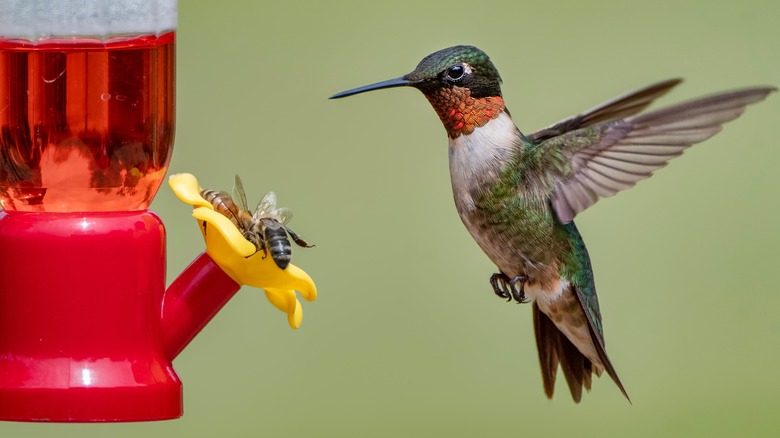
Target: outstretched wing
[602,159]
[617,108]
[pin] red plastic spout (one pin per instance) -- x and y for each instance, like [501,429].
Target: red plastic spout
[84,334]
[192,300]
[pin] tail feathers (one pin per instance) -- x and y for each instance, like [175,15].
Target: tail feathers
[548,342]
[554,349]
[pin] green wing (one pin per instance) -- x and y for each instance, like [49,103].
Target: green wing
[585,289]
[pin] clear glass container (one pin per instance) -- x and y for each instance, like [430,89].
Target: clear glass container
[87,94]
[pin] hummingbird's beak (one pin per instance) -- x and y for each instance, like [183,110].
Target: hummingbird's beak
[391,83]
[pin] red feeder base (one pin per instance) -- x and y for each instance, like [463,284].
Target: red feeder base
[80,307]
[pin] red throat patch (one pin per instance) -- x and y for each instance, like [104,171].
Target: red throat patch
[460,113]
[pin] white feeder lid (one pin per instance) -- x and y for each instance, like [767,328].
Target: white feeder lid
[37,19]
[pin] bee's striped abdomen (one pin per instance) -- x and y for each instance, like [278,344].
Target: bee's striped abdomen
[224,205]
[278,246]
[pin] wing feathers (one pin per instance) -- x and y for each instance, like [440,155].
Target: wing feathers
[617,108]
[628,104]
[705,105]
[624,152]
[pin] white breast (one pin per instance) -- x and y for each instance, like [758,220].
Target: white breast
[476,159]
[476,162]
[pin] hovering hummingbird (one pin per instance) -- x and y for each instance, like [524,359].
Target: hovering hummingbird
[518,194]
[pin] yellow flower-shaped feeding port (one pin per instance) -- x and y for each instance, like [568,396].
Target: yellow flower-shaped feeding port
[239,258]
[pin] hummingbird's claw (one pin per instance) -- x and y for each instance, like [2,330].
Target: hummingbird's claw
[518,295]
[498,282]
[505,287]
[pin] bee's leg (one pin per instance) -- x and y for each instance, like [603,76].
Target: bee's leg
[297,239]
[255,239]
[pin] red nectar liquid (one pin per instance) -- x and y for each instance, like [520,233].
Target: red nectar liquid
[85,125]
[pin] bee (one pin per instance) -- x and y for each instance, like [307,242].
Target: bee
[266,228]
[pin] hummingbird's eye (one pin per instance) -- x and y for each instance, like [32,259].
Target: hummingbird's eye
[456,72]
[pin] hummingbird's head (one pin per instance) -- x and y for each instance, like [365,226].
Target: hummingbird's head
[460,82]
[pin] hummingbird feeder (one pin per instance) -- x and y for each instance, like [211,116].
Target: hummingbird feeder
[87,328]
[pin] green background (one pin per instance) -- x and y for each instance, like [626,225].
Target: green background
[407,339]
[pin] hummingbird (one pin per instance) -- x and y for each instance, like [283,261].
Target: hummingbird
[518,194]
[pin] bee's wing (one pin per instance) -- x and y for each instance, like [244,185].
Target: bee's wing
[282,214]
[239,195]
[266,206]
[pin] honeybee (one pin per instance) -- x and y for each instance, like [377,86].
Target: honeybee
[266,228]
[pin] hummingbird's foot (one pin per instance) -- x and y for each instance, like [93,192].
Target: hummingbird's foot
[518,295]
[500,286]
[507,288]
